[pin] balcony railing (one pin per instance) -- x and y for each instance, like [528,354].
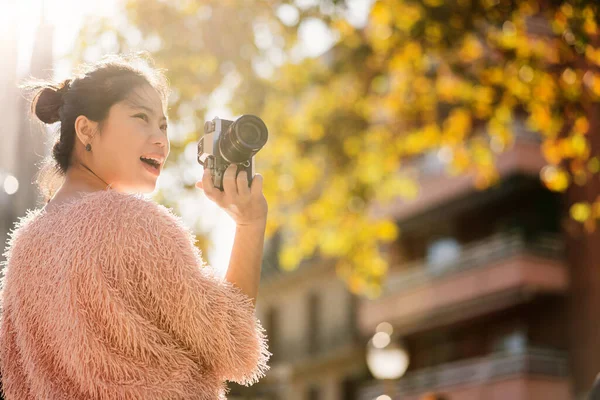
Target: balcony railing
[479,254]
[302,349]
[480,371]
[494,273]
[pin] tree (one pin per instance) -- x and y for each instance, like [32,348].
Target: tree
[420,75]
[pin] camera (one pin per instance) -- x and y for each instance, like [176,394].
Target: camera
[228,142]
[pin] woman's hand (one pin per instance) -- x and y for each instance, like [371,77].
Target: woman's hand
[247,206]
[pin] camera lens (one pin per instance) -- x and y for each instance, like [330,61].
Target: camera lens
[244,138]
[249,133]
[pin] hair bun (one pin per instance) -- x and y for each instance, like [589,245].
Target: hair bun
[47,102]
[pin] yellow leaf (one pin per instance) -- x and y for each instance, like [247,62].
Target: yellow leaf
[486,177]
[593,165]
[352,145]
[387,231]
[289,258]
[333,243]
[316,132]
[482,155]
[380,13]
[460,160]
[317,211]
[579,146]
[433,32]
[407,16]
[308,242]
[569,76]
[271,227]
[545,89]
[495,75]
[552,152]
[566,148]
[398,187]
[457,125]
[555,178]
[356,284]
[582,125]
[590,27]
[581,212]
[343,26]
[471,49]
[567,9]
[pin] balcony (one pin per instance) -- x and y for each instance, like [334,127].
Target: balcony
[340,349]
[492,274]
[534,374]
[438,189]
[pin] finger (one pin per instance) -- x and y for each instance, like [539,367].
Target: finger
[229,184]
[257,184]
[242,183]
[207,185]
[199,184]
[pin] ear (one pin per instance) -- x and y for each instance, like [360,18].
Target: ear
[85,129]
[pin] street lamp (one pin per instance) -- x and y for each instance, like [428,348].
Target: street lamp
[387,358]
[9,183]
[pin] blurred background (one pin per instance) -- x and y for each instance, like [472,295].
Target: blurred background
[431,172]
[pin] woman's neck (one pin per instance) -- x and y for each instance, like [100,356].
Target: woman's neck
[80,178]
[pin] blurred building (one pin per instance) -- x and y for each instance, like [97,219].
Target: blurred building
[479,284]
[310,319]
[23,139]
[477,289]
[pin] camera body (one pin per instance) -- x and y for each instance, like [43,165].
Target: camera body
[228,142]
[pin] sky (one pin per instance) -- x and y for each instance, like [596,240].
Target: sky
[67,16]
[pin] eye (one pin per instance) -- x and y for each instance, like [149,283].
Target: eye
[143,116]
[164,128]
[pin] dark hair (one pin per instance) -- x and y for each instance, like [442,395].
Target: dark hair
[91,92]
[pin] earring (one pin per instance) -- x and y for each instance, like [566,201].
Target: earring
[88,147]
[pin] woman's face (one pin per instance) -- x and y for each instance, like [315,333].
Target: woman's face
[135,128]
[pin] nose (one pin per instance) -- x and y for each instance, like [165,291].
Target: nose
[161,139]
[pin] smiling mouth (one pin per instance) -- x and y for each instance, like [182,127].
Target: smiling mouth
[152,163]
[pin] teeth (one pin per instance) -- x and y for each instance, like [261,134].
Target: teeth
[153,161]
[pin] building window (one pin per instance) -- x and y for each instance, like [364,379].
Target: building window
[442,253]
[514,342]
[271,326]
[349,389]
[313,393]
[353,317]
[314,304]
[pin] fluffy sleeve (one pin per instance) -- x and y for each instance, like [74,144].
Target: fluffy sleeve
[211,319]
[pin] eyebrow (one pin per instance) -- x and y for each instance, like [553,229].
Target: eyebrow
[151,111]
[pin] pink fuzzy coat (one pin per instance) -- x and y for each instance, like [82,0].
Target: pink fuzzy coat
[107,297]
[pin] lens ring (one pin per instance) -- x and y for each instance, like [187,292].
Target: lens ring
[248,133]
[257,124]
[234,148]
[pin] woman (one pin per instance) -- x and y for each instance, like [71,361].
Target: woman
[105,295]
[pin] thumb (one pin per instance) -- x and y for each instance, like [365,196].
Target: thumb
[257,183]
[199,184]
